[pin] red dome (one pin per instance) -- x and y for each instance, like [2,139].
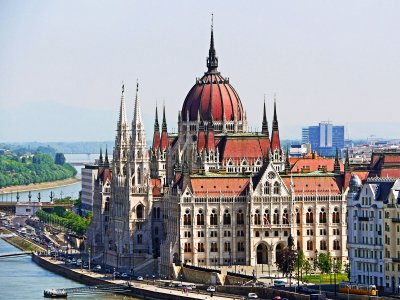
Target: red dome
[212,94]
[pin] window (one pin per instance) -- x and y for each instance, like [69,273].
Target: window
[187,234]
[139,211]
[322,216]
[156,230]
[227,233]
[240,233]
[277,188]
[310,245]
[227,247]
[213,218]
[297,216]
[257,234]
[187,219]
[336,216]
[214,234]
[200,218]
[322,231]
[107,204]
[309,216]
[139,238]
[240,217]
[200,233]
[322,245]
[227,217]
[214,247]
[257,218]
[240,246]
[200,247]
[267,188]
[276,216]
[188,247]
[285,217]
[336,245]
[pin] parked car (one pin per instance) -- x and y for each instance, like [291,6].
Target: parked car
[253,296]
[97,268]
[304,289]
[124,276]
[279,283]
[117,274]
[85,265]
[139,278]
[168,284]
[277,298]
[178,284]
[211,288]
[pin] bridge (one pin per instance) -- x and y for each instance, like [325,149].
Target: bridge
[10,255]
[89,290]
[11,206]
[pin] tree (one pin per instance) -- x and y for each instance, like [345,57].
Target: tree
[347,270]
[307,267]
[286,259]
[300,261]
[324,263]
[59,159]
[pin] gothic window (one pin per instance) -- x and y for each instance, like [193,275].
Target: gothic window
[154,213]
[188,247]
[309,216]
[267,188]
[200,247]
[107,204]
[240,246]
[227,217]
[158,213]
[140,211]
[214,247]
[310,245]
[227,247]
[200,218]
[336,245]
[257,218]
[322,245]
[297,216]
[285,217]
[187,219]
[322,216]
[335,216]
[139,239]
[267,217]
[213,218]
[240,217]
[277,188]
[276,217]
[139,176]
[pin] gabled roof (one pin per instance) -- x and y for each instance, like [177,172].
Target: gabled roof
[215,186]
[313,164]
[315,183]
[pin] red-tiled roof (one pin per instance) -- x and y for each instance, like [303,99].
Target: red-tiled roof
[213,186]
[312,185]
[249,147]
[164,141]
[313,164]
[275,141]
[156,140]
[201,141]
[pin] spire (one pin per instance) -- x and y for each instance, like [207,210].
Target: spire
[347,162]
[212,60]
[275,140]
[122,111]
[137,116]
[101,157]
[264,122]
[336,166]
[156,135]
[164,122]
[275,120]
[156,124]
[106,162]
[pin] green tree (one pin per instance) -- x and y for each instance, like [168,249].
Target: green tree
[324,263]
[59,159]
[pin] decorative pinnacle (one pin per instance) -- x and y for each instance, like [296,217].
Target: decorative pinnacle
[212,60]
[156,124]
[123,88]
[164,121]
[275,120]
[264,122]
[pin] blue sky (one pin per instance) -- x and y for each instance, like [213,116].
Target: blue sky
[62,63]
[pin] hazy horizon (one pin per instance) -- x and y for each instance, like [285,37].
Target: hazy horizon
[62,63]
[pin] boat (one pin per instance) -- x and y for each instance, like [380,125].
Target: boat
[54,293]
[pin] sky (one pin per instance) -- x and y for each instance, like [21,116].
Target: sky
[62,63]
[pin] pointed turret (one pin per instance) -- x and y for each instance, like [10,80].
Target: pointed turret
[336,166]
[212,60]
[122,137]
[164,133]
[137,123]
[101,157]
[264,129]
[275,140]
[347,162]
[156,135]
[106,162]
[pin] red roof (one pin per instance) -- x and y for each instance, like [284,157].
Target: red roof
[313,164]
[210,141]
[312,185]
[249,147]
[213,186]
[156,140]
[201,141]
[275,141]
[164,141]
[156,183]
[212,87]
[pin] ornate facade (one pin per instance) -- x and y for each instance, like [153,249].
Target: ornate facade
[214,194]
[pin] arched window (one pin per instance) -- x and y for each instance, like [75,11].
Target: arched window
[227,217]
[276,217]
[240,217]
[139,176]
[200,218]
[139,238]
[213,218]
[257,218]
[267,217]
[107,204]
[154,214]
[322,216]
[187,218]
[267,188]
[322,245]
[298,220]
[188,247]
[285,217]
[140,211]
[277,188]
[336,245]
[310,245]
[335,216]
[309,216]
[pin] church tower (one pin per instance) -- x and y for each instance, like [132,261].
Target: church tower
[276,150]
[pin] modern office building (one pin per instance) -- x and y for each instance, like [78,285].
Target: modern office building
[324,138]
[89,175]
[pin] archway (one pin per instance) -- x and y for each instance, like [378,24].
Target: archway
[278,249]
[262,254]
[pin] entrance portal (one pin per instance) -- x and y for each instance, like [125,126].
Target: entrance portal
[262,254]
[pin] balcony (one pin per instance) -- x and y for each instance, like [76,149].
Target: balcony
[366,219]
[396,220]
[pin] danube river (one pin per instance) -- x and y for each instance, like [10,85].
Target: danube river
[59,192]
[21,278]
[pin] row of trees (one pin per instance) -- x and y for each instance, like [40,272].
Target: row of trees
[65,218]
[15,170]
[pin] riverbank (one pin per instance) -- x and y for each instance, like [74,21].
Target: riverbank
[39,186]
[19,242]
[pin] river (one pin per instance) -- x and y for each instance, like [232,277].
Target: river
[59,192]
[21,278]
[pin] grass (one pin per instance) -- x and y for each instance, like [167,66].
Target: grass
[325,278]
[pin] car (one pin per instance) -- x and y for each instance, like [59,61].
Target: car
[178,284]
[124,276]
[193,286]
[188,287]
[304,289]
[78,262]
[117,274]
[279,283]
[168,284]
[97,268]
[85,265]
[277,298]
[211,288]
[252,296]
[139,278]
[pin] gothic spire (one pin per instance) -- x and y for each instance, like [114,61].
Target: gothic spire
[164,121]
[137,116]
[264,122]
[212,60]
[156,124]
[275,120]
[336,166]
[122,112]
[347,162]
[106,162]
[287,162]
[164,133]
[275,140]
[101,157]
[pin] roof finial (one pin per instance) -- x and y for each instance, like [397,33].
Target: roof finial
[137,85]
[123,88]
[164,121]
[212,60]
[275,120]
[264,129]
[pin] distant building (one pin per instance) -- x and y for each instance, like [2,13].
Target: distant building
[89,175]
[324,138]
[299,150]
